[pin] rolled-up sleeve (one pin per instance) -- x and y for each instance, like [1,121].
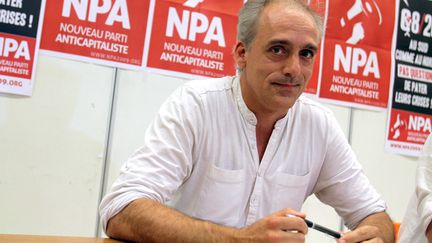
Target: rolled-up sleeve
[342,183]
[157,169]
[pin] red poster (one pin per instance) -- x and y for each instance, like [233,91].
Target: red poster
[320,7]
[410,105]
[357,53]
[19,40]
[109,32]
[408,131]
[18,53]
[194,37]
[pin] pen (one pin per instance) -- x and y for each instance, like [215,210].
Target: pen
[323,229]
[320,228]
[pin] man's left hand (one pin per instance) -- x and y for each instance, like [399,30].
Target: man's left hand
[367,233]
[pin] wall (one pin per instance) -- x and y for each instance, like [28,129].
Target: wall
[53,147]
[51,150]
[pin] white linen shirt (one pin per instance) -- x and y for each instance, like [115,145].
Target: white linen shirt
[419,210]
[200,157]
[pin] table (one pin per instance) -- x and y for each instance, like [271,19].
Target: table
[52,239]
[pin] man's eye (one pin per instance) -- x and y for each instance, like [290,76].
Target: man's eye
[307,53]
[277,50]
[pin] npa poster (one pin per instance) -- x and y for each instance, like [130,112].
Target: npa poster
[312,87]
[410,106]
[356,63]
[108,32]
[19,42]
[193,38]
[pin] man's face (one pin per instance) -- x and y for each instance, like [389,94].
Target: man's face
[278,63]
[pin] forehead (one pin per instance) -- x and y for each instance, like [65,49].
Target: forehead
[287,20]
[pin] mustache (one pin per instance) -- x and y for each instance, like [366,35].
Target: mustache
[287,80]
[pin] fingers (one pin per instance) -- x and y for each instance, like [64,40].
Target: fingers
[289,211]
[278,227]
[288,220]
[293,237]
[289,224]
[365,233]
[285,229]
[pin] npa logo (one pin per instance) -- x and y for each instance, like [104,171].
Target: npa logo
[12,48]
[420,124]
[398,127]
[356,60]
[360,7]
[117,12]
[188,25]
[193,37]
[411,127]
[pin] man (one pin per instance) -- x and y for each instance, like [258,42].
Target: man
[233,157]
[417,223]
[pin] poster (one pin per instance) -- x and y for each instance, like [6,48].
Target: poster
[194,38]
[318,6]
[19,43]
[410,106]
[356,63]
[108,32]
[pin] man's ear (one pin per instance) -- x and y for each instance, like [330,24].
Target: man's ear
[240,55]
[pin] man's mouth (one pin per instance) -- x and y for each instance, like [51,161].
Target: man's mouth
[287,85]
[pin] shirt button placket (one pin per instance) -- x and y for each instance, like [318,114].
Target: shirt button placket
[254,202]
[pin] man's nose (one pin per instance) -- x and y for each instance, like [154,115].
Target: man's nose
[292,66]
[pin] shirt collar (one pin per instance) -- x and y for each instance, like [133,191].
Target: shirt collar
[247,114]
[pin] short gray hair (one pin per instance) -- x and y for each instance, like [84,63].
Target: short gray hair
[251,11]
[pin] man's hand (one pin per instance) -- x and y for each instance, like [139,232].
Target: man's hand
[375,228]
[145,220]
[277,227]
[365,233]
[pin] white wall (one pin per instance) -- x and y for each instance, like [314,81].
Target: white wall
[52,147]
[392,175]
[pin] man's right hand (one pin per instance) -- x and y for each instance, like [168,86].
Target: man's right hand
[277,227]
[150,221]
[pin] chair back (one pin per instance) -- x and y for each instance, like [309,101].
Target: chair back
[396,226]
